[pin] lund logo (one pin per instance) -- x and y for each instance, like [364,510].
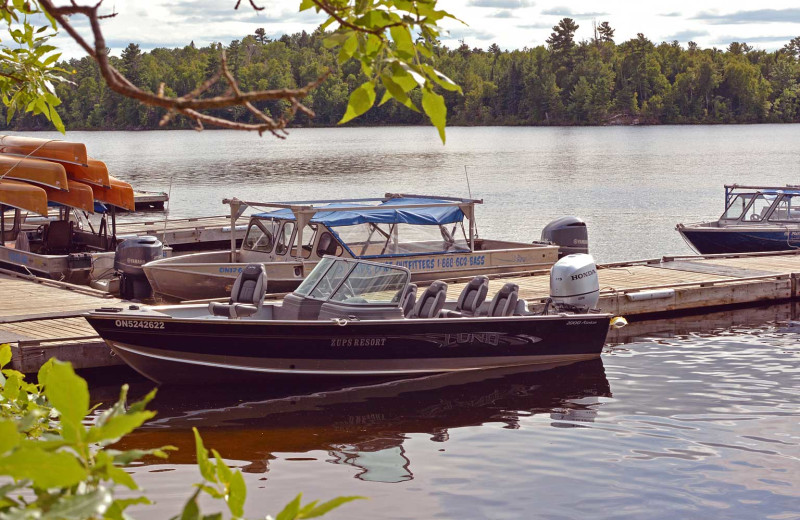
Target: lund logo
[489,338]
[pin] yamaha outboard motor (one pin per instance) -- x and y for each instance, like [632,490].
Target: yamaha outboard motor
[130,256]
[574,285]
[569,233]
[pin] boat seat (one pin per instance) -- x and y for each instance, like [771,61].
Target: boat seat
[505,301]
[471,298]
[409,299]
[431,302]
[327,245]
[247,294]
[58,237]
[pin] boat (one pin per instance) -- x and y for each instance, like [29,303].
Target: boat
[118,193]
[95,173]
[36,171]
[756,218]
[50,149]
[426,234]
[22,196]
[78,195]
[357,319]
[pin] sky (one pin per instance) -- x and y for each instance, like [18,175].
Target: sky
[512,24]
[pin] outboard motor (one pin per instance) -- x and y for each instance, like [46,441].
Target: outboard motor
[130,256]
[569,233]
[574,285]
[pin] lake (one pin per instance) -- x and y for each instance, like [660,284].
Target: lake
[695,417]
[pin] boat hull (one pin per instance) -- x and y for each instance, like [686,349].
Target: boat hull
[713,240]
[191,351]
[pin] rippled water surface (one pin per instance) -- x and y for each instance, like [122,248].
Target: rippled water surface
[689,418]
[630,184]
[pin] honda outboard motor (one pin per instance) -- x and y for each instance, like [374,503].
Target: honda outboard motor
[574,285]
[569,233]
[130,256]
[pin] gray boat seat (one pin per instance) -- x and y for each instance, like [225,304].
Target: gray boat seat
[409,299]
[505,301]
[471,298]
[247,294]
[431,302]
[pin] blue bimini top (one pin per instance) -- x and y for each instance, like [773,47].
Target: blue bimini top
[381,214]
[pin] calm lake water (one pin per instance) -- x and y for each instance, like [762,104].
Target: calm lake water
[690,418]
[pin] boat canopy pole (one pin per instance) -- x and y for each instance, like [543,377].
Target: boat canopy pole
[3,224]
[235,212]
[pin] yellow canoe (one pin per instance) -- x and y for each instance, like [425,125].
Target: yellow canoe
[62,151]
[96,173]
[80,196]
[120,194]
[24,196]
[36,171]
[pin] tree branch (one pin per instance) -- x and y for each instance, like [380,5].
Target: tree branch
[192,104]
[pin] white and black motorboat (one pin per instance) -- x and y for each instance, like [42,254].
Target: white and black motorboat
[353,318]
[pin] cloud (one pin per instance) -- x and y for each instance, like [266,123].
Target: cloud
[791,15]
[686,36]
[674,14]
[567,12]
[501,4]
[537,25]
[505,13]
[778,40]
[468,33]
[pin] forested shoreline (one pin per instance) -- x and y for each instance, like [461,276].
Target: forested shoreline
[594,82]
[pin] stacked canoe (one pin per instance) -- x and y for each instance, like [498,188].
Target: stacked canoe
[35,172]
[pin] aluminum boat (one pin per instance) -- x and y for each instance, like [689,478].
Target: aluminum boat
[353,318]
[434,237]
[756,218]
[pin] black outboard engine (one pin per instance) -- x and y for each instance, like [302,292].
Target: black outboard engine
[569,233]
[130,256]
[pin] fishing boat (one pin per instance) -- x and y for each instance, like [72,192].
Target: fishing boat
[426,234]
[756,218]
[353,318]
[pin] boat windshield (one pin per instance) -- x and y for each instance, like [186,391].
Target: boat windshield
[788,209]
[261,236]
[750,207]
[354,282]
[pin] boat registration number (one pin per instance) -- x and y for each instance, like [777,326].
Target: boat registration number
[139,324]
[581,322]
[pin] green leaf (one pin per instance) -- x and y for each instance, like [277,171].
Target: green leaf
[11,387]
[78,507]
[306,4]
[396,91]
[434,107]
[224,473]
[45,469]
[69,394]
[290,511]
[334,40]
[140,405]
[116,511]
[118,426]
[9,437]
[206,468]
[402,40]
[5,354]
[329,506]
[348,48]
[360,101]
[191,511]
[237,494]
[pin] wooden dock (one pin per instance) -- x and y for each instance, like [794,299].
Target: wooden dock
[41,318]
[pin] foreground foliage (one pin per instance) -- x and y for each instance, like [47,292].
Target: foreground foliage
[63,468]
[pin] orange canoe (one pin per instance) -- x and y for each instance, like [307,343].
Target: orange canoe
[96,173]
[36,171]
[24,196]
[80,196]
[120,194]
[62,151]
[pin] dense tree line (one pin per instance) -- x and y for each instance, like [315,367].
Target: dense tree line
[564,83]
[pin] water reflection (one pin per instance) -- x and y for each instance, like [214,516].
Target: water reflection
[365,427]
